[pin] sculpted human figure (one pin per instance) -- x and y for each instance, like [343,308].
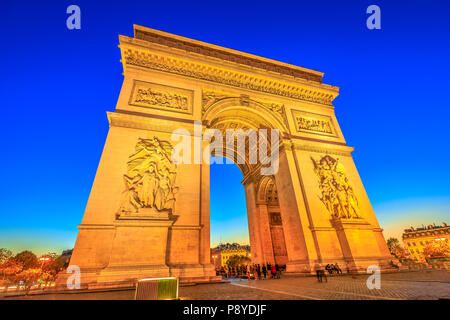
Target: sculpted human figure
[352,204]
[336,192]
[150,178]
[342,199]
[149,185]
[163,190]
[130,200]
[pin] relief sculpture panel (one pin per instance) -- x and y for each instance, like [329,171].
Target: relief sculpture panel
[336,192]
[151,95]
[313,123]
[150,179]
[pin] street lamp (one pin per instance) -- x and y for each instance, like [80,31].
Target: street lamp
[43,259]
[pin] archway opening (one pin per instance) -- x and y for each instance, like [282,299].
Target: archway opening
[228,216]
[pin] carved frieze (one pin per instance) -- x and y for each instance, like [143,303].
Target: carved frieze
[314,123]
[226,77]
[150,180]
[336,192]
[152,95]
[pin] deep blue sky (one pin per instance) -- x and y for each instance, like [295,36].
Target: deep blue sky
[57,85]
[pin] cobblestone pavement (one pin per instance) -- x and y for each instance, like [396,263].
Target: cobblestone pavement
[396,286]
[345,287]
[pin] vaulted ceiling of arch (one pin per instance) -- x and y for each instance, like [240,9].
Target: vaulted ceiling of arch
[267,190]
[242,160]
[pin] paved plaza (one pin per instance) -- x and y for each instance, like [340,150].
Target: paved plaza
[423,285]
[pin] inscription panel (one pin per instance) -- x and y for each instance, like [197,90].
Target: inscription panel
[314,123]
[156,96]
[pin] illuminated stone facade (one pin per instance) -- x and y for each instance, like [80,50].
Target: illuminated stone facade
[417,239]
[147,217]
[227,253]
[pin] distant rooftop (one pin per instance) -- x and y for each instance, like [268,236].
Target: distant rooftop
[429,227]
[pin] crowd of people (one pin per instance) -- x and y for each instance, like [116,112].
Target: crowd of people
[331,268]
[270,271]
[251,271]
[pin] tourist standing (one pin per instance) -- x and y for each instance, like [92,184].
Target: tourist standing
[338,269]
[320,273]
[274,271]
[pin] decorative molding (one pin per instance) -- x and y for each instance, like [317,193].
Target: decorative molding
[344,151]
[351,223]
[157,96]
[286,145]
[186,227]
[140,58]
[209,97]
[277,108]
[96,226]
[145,121]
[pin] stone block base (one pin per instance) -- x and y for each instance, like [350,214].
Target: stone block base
[127,276]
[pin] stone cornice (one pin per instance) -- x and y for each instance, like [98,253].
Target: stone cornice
[134,120]
[138,53]
[322,147]
[210,50]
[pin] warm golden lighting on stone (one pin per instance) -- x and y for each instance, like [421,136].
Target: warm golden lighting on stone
[141,222]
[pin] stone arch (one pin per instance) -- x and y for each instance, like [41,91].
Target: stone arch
[251,112]
[244,113]
[267,190]
[171,86]
[271,225]
[236,113]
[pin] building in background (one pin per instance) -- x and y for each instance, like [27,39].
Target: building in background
[417,240]
[221,253]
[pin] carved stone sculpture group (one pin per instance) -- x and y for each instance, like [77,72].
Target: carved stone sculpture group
[150,178]
[314,125]
[336,192]
[150,96]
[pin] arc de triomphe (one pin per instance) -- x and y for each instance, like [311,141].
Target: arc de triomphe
[149,217]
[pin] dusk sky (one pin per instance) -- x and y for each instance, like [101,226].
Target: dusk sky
[57,85]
